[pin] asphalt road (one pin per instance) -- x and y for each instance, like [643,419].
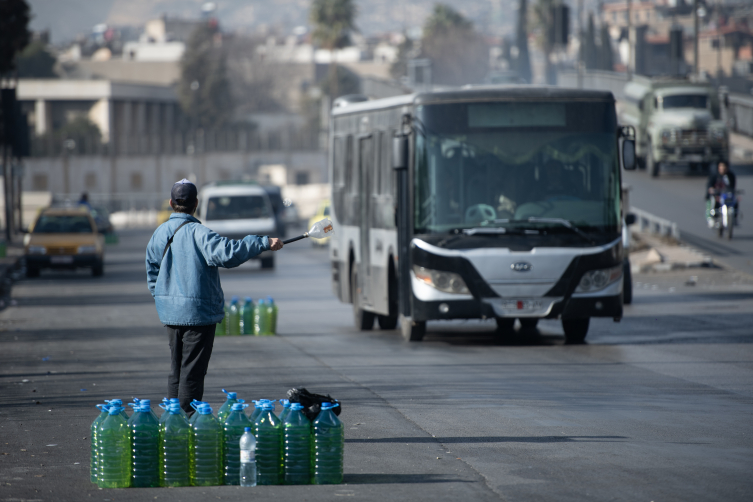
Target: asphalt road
[655,408]
[680,199]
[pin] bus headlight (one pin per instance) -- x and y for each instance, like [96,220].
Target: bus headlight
[594,280]
[668,136]
[449,282]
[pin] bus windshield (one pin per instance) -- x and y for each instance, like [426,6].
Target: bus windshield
[506,164]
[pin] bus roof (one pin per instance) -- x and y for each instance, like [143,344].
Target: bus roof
[478,93]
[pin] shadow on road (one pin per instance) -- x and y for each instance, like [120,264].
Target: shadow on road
[493,439]
[377,479]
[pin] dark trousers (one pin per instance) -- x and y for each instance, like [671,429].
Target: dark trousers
[190,350]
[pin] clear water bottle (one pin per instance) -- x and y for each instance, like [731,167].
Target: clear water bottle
[222,325]
[268,432]
[248,458]
[104,410]
[114,449]
[297,447]
[232,398]
[329,442]
[247,317]
[206,449]
[144,448]
[175,456]
[234,318]
[232,430]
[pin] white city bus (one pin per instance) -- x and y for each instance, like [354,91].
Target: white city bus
[488,202]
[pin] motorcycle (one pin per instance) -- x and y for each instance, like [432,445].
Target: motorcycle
[723,216]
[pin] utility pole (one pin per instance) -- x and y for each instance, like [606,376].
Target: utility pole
[630,41]
[696,69]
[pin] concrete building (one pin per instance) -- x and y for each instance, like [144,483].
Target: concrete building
[118,109]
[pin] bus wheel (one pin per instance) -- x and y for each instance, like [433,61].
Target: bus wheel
[575,329]
[387,322]
[412,331]
[363,320]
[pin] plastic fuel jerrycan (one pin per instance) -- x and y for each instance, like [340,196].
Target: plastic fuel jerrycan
[104,410]
[268,432]
[144,447]
[232,430]
[260,318]
[175,455]
[258,408]
[329,442]
[206,449]
[114,448]
[247,317]
[222,328]
[234,318]
[285,409]
[272,313]
[296,447]
[195,405]
[118,403]
[232,398]
[248,458]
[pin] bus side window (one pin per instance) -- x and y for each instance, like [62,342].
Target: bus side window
[349,167]
[338,168]
[376,187]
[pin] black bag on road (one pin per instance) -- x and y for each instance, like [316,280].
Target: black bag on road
[312,403]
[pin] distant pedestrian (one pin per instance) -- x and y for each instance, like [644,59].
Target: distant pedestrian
[182,269]
[84,200]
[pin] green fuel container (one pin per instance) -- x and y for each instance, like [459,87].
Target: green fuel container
[296,446]
[206,449]
[144,448]
[268,433]
[329,443]
[114,451]
[174,454]
[103,412]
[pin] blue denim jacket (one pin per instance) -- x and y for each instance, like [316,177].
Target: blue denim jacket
[186,283]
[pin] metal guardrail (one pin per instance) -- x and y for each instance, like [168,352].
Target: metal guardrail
[648,222]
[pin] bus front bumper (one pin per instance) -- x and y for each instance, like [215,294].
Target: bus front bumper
[541,308]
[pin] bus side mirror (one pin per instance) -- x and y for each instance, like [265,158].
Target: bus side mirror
[630,219]
[400,152]
[628,154]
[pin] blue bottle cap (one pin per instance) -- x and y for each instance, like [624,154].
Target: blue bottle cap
[261,402]
[296,406]
[234,299]
[260,302]
[115,410]
[174,408]
[285,403]
[205,409]
[238,406]
[143,409]
[174,400]
[247,429]
[196,403]
[114,402]
[249,300]
[329,406]
[268,406]
[270,299]
[146,402]
[230,395]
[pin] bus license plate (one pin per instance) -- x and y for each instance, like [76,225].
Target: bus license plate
[61,260]
[522,305]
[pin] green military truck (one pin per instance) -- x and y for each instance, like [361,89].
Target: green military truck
[677,124]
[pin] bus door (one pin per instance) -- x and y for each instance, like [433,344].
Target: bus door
[365,171]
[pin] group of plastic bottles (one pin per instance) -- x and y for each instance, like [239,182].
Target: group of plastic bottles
[203,450]
[249,319]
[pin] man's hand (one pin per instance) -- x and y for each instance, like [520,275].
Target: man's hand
[275,244]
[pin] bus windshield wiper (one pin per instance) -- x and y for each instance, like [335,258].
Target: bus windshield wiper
[561,221]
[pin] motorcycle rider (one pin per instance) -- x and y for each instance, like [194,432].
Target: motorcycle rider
[721,181]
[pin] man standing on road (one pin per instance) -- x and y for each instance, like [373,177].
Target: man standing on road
[182,262]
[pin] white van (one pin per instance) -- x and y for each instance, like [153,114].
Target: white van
[237,209]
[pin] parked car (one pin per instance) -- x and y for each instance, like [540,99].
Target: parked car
[238,209]
[275,197]
[321,212]
[64,238]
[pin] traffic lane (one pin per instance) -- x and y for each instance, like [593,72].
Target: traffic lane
[680,199]
[68,358]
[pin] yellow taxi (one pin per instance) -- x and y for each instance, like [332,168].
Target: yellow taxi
[321,212]
[164,213]
[64,238]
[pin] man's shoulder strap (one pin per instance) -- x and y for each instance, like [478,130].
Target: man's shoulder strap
[170,240]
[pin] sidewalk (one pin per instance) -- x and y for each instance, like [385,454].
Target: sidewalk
[740,148]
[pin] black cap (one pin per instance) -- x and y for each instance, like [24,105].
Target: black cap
[184,193]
